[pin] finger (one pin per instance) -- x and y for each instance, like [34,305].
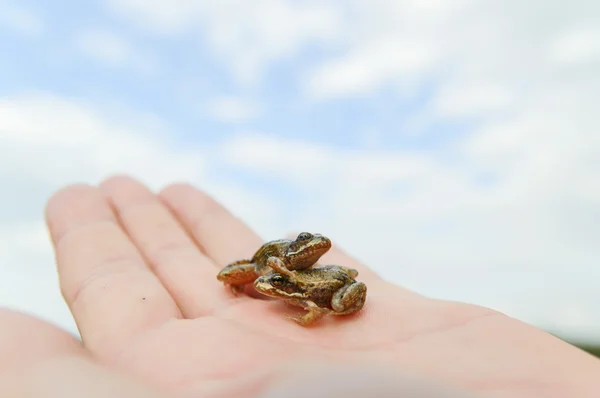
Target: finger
[24,340]
[37,359]
[188,274]
[111,292]
[221,236]
[337,255]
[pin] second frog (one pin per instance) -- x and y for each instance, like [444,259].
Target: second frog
[295,254]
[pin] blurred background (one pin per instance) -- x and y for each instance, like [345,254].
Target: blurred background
[454,146]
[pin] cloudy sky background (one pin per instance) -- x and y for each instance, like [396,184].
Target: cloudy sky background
[454,146]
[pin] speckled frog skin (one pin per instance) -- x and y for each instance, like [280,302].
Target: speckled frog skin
[295,254]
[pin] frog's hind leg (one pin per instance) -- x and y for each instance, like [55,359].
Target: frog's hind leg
[239,262]
[237,274]
[350,299]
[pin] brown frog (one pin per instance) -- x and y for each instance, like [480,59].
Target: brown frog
[295,254]
[321,290]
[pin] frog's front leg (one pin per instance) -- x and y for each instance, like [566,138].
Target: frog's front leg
[349,299]
[313,314]
[238,274]
[278,266]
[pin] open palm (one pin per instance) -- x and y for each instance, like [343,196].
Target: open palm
[138,272]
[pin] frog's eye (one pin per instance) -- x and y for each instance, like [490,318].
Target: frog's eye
[277,280]
[304,236]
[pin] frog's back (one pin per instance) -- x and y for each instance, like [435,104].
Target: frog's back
[327,273]
[274,248]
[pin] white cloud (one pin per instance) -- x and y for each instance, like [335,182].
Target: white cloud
[20,20]
[576,46]
[410,43]
[113,50]
[370,65]
[163,17]
[233,109]
[475,99]
[293,161]
[245,35]
[48,127]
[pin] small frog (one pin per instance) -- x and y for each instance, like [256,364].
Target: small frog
[295,254]
[321,290]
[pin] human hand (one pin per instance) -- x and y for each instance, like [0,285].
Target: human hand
[39,360]
[138,272]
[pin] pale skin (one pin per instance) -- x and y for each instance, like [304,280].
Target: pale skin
[137,270]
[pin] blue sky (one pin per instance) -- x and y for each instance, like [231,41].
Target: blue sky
[452,146]
[190,75]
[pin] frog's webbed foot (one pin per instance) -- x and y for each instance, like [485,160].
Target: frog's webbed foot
[349,299]
[312,315]
[278,266]
[236,289]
